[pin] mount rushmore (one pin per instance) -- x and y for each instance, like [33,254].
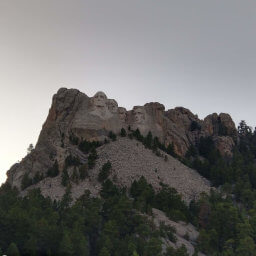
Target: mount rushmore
[73,113]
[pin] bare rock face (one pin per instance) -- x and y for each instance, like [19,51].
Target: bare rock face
[178,129]
[73,113]
[223,130]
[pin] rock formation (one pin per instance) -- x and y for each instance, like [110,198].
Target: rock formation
[75,114]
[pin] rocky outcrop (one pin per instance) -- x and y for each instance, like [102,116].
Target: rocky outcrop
[75,114]
[223,130]
[186,233]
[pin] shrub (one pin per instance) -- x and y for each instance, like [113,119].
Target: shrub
[148,140]
[38,177]
[104,172]
[65,178]
[112,136]
[86,146]
[13,250]
[194,126]
[73,139]
[170,150]
[138,135]
[26,181]
[92,158]
[72,161]
[75,175]
[83,171]
[54,170]
[123,132]
[167,231]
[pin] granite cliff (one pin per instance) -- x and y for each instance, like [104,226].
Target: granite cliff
[75,115]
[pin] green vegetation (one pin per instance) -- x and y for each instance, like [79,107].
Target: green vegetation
[167,200]
[13,250]
[112,136]
[34,225]
[115,224]
[104,171]
[65,178]
[73,139]
[227,219]
[72,161]
[123,132]
[86,146]
[153,143]
[92,158]
[195,126]
[54,170]
[26,181]
[83,171]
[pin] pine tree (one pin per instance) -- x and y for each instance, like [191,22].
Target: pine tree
[148,140]
[26,181]
[65,178]
[66,247]
[123,132]
[31,246]
[13,250]
[170,150]
[104,252]
[54,170]
[30,148]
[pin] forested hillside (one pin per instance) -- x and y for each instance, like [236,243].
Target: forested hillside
[118,223]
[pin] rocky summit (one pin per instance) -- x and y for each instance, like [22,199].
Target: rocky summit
[74,118]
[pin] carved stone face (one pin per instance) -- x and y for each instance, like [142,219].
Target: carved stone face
[112,106]
[122,113]
[100,100]
[139,115]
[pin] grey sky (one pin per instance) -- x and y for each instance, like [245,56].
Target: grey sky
[198,54]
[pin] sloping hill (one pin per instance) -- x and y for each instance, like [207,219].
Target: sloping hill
[130,160]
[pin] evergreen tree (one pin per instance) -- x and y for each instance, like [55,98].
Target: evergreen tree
[65,246]
[54,170]
[26,181]
[65,178]
[83,171]
[244,129]
[123,132]
[30,148]
[170,150]
[246,247]
[112,136]
[92,158]
[104,252]
[148,140]
[13,250]
[38,177]
[104,171]
[31,246]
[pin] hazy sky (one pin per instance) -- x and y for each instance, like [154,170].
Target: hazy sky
[198,54]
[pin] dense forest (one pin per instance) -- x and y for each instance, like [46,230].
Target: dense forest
[117,223]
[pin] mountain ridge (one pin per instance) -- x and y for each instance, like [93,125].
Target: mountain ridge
[75,114]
